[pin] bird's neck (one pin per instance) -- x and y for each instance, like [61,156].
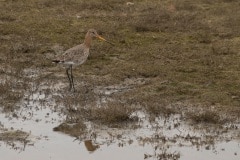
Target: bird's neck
[88,41]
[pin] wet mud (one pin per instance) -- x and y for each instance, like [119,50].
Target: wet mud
[44,118]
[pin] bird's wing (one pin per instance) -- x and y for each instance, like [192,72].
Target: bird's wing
[69,54]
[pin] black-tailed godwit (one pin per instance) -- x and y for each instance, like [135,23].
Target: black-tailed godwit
[77,55]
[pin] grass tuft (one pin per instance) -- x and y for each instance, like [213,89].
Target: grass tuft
[112,113]
[211,117]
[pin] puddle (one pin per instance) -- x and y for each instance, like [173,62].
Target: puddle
[160,138]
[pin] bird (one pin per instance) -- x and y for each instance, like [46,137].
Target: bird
[77,55]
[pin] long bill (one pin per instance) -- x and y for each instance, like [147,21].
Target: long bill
[101,38]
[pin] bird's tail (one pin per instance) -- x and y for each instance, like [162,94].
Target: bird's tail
[56,61]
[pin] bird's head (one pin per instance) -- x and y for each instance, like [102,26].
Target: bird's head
[93,34]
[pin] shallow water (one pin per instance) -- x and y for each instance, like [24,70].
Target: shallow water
[162,138]
[53,145]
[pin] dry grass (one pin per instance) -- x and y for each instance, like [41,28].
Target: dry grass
[14,136]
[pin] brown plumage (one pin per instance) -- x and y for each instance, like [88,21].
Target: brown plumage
[77,55]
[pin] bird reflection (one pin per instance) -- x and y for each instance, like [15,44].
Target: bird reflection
[90,146]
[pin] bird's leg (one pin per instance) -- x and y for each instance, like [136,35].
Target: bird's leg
[69,78]
[72,79]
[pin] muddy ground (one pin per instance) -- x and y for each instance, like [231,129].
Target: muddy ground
[171,58]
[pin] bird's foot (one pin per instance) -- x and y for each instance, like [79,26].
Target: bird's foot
[72,89]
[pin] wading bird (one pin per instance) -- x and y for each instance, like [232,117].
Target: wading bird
[77,55]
